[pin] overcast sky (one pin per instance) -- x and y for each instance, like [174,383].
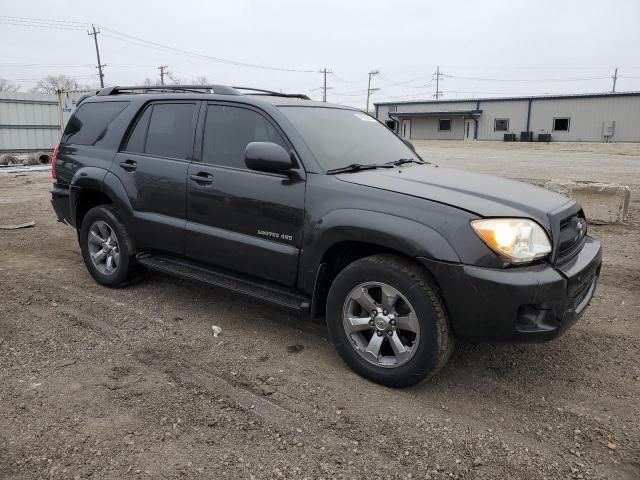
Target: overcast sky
[484,48]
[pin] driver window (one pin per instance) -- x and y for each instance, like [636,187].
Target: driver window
[228,130]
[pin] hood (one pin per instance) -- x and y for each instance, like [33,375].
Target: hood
[483,195]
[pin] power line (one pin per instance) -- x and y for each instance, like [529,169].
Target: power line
[403,82]
[114,34]
[37,25]
[149,44]
[40,78]
[531,80]
[72,25]
[536,67]
[42,23]
[47,65]
[343,80]
[82,25]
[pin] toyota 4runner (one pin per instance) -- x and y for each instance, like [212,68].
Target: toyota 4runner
[320,208]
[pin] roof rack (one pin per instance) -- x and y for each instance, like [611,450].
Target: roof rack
[260,91]
[219,89]
[216,89]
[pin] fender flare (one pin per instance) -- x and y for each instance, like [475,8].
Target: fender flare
[115,190]
[403,235]
[86,178]
[93,178]
[398,233]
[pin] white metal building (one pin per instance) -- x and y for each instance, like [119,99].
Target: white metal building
[28,122]
[606,117]
[32,122]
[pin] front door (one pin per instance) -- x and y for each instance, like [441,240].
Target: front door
[239,219]
[405,129]
[469,129]
[152,167]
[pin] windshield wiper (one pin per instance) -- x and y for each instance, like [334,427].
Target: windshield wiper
[357,167]
[402,161]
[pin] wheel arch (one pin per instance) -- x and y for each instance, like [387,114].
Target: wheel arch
[352,235]
[86,192]
[91,187]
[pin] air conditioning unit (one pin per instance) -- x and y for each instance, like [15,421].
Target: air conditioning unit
[510,137]
[526,136]
[544,137]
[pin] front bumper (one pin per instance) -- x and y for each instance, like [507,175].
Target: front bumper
[520,304]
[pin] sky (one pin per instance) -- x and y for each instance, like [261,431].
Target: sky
[485,48]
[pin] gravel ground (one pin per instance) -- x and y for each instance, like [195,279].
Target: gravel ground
[132,383]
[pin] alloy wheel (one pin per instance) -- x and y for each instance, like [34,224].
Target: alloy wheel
[381,324]
[103,247]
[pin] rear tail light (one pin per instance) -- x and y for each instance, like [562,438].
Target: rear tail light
[54,161]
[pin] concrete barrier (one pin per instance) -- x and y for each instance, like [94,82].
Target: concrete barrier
[602,202]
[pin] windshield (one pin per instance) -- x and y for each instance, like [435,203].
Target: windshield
[339,137]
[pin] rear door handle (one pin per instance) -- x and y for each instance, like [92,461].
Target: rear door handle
[129,165]
[202,178]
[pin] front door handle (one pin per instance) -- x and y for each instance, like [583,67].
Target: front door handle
[129,165]
[202,178]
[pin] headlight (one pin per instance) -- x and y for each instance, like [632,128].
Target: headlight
[518,239]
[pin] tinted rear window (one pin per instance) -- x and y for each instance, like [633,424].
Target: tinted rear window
[138,136]
[90,123]
[164,130]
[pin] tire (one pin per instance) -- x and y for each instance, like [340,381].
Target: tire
[404,357]
[103,221]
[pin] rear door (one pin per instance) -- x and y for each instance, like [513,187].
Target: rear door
[240,219]
[152,166]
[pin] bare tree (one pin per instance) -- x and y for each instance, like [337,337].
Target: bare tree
[200,81]
[56,83]
[175,80]
[149,83]
[6,86]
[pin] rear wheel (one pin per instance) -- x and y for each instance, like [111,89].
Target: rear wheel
[106,247]
[387,321]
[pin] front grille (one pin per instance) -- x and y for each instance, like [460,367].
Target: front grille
[573,231]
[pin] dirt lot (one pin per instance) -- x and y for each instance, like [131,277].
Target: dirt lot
[131,383]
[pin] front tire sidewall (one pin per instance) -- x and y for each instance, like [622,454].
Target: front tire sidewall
[428,357]
[126,260]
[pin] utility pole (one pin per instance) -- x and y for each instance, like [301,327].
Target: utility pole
[438,74]
[615,79]
[369,89]
[162,68]
[100,66]
[324,88]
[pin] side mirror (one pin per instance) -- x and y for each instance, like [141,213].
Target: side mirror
[267,157]
[409,144]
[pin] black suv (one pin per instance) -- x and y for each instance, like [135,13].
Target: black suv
[322,209]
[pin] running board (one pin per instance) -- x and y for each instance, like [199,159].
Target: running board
[263,291]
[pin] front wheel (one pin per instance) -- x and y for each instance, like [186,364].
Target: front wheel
[387,321]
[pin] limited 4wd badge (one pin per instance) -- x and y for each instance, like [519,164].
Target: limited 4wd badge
[276,235]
